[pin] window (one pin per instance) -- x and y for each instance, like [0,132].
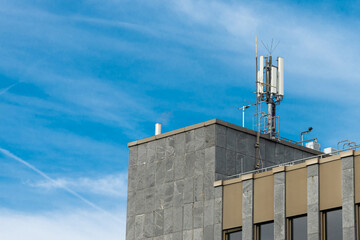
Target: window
[297,228]
[233,234]
[265,231]
[357,212]
[331,225]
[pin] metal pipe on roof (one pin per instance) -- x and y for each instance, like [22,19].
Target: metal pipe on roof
[157,129]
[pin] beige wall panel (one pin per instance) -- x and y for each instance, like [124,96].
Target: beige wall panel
[330,185]
[357,178]
[264,199]
[296,166]
[296,192]
[232,206]
[357,153]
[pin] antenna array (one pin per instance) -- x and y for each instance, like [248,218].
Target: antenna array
[270,89]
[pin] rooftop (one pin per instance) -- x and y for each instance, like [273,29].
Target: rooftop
[222,123]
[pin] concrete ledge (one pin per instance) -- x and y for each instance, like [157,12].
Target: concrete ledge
[347,154]
[296,166]
[174,132]
[263,174]
[218,183]
[247,176]
[278,169]
[357,153]
[232,181]
[329,159]
[171,133]
[131,144]
[312,161]
[192,127]
[145,140]
[210,122]
[236,127]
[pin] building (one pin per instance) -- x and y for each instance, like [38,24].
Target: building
[315,198]
[196,183]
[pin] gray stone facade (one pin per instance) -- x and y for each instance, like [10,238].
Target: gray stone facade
[313,203]
[348,198]
[235,152]
[170,181]
[279,206]
[170,188]
[247,210]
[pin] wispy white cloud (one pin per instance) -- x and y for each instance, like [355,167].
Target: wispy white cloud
[61,145]
[72,225]
[113,185]
[56,183]
[236,19]
[114,23]
[62,31]
[4,90]
[100,100]
[320,62]
[320,52]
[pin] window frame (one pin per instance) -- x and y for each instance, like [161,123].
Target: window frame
[257,229]
[357,219]
[323,224]
[289,224]
[232,230]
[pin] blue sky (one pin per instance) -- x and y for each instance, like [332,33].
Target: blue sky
[81,79]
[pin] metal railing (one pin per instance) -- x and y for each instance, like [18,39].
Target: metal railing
[291,163]
[264,123]
[288,140]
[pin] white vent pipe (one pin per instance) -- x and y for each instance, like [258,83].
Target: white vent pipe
[157,128]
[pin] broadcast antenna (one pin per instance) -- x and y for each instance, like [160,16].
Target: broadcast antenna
[257,144]
[269,88]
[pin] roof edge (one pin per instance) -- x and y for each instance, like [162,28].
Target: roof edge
[223,123]
[176,131]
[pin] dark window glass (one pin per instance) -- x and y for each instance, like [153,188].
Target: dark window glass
[266,231]
[235,235]
[299,228]
[333,221]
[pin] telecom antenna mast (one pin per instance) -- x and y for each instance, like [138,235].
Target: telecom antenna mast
[270,89]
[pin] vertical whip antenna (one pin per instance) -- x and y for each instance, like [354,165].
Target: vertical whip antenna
[257,144]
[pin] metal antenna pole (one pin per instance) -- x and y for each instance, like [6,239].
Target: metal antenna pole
[273,93]
[269,100]
[257,144]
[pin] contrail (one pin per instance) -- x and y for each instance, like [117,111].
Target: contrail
[75,194]
[2,91]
